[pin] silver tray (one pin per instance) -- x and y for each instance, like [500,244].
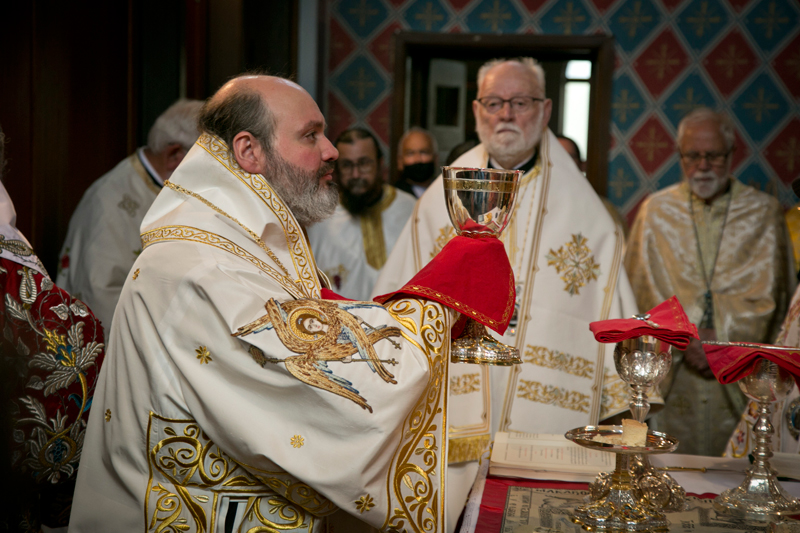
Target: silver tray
[657,442]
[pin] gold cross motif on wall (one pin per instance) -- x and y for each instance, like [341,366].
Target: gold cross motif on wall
[731,61]
[569,17]
[771,21]
[760,106]
[496,16]
[789,154]
[429,17]
[363,12]
[663,62]
[619,182]
[635,18]
[625,104]
[362,83]
[688,103]
[702,19]
[652,145]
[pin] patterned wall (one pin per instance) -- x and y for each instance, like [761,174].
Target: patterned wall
[672,55]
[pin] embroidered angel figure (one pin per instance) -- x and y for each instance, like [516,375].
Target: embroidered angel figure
[321,331]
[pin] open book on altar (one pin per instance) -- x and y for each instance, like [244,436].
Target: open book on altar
[546,456]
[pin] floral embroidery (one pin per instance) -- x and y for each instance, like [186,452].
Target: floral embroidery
[465,384]
[108,415]
[364,503]
[129,205]
[574,261]
[204,355]
[551,395]
[136,273]
[445,235]
[297,441]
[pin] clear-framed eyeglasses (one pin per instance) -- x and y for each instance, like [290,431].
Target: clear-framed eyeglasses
[714,158]
[518,104]
[365,164]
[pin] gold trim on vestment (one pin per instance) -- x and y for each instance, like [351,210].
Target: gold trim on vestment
[190,234]
[372,229]
[137,165]
[416,484]
[463,449]
[296,242]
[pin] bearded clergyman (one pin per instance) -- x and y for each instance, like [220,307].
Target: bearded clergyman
[566,253]
[722,248]
[352,245]
[239,393]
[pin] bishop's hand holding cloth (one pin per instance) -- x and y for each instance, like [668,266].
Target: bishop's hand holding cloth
[233,396]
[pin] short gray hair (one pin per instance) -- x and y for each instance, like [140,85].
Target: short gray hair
[703,114]
[529,62]
[176,125]
[417,129]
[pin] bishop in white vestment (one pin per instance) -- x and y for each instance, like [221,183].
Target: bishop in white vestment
[233,396]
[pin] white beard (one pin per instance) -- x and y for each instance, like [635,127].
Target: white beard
[509,145]
[707,184]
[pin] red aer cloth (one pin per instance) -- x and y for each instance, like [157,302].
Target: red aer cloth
[470,275]
[668,322]
[732,363]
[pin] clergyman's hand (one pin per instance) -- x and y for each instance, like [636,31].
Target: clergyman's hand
[695,356]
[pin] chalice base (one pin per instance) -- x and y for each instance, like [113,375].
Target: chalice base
[476,346]
[619,511]
[760,498]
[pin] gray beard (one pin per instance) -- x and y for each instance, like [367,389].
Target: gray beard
[307,199]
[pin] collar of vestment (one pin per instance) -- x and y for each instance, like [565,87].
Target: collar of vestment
[372,228]
[245,202]
[524,167]
[13,244]
[148,168]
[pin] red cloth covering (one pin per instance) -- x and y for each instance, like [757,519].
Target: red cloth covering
[668,322]
[328,294]
[732,363]
[51,350]
[490,518]
[470,275]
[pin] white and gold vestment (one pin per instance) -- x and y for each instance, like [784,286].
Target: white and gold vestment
[566,253]
[746,260]
[103,237]
[352,249]
[231,391]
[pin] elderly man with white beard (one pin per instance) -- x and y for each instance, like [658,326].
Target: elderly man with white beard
[566,253]
[722,248]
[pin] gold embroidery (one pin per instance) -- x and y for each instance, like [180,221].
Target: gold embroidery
[203,355]
[416,484]
[129,205]
[364,503]
[188,233]
[459,184]
[548,394]
[445,235]
[575,262]
[136,273]
[15,247]
[465,384]
[571,364]
[108,415]
[463,449]
[321,332]
[372,229]
[190,476]
[297,441]
[295,238]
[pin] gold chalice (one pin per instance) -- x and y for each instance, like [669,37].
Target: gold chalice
[480,202]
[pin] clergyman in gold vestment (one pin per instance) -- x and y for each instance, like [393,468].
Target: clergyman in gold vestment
[722,248]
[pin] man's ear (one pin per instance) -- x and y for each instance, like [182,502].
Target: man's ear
[173,155]
[248,153]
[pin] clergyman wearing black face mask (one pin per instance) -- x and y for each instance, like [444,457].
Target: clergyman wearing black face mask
[416,160]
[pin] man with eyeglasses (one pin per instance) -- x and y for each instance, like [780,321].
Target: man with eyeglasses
[352,245]
[721,247]
[566,253]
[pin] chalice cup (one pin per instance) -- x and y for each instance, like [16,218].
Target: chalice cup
[480,202]
[760,497]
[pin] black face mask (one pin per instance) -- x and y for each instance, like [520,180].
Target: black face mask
[418,172]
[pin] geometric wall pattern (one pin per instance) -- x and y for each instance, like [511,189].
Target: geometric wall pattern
[742,56]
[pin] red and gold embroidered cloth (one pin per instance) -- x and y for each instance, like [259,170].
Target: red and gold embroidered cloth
[732,363]
[666,321]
